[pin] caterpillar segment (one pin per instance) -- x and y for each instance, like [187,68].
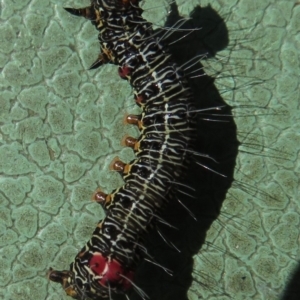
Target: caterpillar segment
[106,265]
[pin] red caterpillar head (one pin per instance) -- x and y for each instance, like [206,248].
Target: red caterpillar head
[93,276]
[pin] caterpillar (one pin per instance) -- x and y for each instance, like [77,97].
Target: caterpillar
[107,263]
[57,120]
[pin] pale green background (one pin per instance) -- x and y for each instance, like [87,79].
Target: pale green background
[61,125]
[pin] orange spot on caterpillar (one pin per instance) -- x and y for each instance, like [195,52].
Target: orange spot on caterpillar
[124,72]
[139,99]
[101,197]
[100,224]
[108,53]
[127,168]
[81,254]
[134,120]
[119,166]
[129,141]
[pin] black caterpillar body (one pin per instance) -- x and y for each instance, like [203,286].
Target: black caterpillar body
[107,263]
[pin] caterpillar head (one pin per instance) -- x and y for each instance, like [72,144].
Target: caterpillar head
[93,276]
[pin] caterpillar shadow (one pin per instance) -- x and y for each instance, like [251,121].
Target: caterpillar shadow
[292,290]
[209,177]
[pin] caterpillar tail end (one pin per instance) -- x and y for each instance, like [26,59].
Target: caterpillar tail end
[86,12]
[99,62]
[63,277]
